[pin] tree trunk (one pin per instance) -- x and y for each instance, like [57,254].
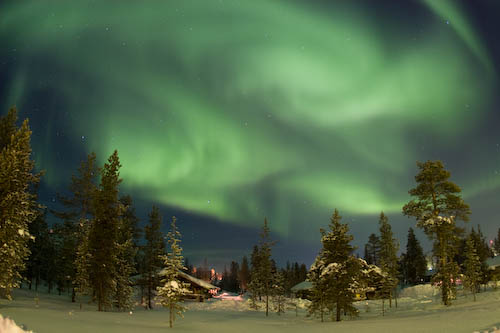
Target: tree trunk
[149,295]
[321,307]
[338,311]
[267,305]
[142,292]
[73,295]
[99,298]
[383,301]
[396,297]
[171,314]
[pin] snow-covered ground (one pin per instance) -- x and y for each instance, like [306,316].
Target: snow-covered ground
[419,310]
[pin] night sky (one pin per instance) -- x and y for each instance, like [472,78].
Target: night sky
[224,112]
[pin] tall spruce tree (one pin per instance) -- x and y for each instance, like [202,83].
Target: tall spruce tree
[472,267]
[415,264]
[130,219]
[18,207]
[233,279]
[255,280]
[244,274]
[496,244]
[39,251]
[278,290]
[173,289]
[126,254]
[103,234]
[51,254]
[64,235]
[154,251]
[334,272]
[437,206]
[75,224]
[483,251]
[388,254]
[372,249]
[264,268]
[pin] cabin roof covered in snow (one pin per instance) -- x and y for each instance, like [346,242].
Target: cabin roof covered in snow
[201,283]
[304,285]
[493,262]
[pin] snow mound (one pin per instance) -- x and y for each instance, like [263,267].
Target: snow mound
[493,329]
[7,325]
[301,303]
[420,291]
[243,304]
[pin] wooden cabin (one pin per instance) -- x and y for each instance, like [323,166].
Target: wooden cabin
[494,267]
[302,290]
[200,290]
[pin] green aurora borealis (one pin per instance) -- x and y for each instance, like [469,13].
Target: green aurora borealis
[236,110]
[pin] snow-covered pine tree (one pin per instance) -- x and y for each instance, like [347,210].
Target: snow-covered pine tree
[388,254]
[82,266]
[372,280]
[335,272]
[279,292]
[415,264]
[131,221]
[437,206]
[125,261]
[153,250]
[103,234]
[319,299]
[472,267]
[484,252]
[173,289]
[18,207]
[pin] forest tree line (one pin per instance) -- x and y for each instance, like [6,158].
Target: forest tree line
[98,250]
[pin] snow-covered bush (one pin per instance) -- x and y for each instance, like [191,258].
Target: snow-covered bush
[8,325]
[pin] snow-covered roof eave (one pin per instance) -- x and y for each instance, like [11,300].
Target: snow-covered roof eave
[304,285]
[201,283]
[493,262]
